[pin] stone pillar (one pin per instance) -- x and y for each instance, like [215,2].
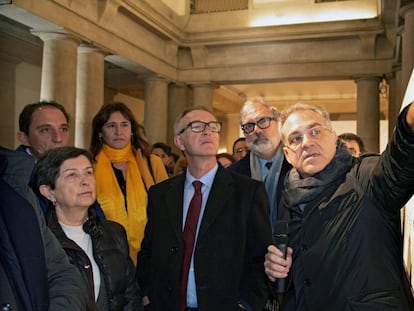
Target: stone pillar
[394,100]
[59,71]
[89,91]
[224,133]
[155,114]
[178,101]
[8,117]
[407,12]
[368,112]
[203,95]
[233,131]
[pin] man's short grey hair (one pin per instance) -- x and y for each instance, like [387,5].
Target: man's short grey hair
[301,106]
[252,104]
[177,123]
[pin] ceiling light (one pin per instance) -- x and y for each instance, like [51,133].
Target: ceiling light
[287,14]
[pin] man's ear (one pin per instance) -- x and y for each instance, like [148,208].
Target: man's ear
[47,192]
[23,139]
[286,152]
[178,142]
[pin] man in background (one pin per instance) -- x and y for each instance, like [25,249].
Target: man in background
[163,151]
[265,160]
[354,143]
[42,126]
[240,148]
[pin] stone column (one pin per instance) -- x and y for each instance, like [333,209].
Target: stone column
[407,12]
[109,95]
[89,91]
[59,70]
[178,101]
[233,130]
[155,114]
[394,100]
[368,112]
[203,95]
[8,117]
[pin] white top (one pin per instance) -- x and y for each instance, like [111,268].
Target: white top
[84,241]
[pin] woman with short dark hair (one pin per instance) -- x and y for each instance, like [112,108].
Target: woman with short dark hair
[98,248]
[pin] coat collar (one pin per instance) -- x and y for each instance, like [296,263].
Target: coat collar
[217,200]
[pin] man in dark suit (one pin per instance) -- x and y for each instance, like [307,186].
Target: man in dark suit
[232,231]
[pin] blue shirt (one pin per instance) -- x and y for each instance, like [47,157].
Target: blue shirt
[207,181]
[264,170]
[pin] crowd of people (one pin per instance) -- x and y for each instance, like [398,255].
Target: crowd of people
[130,225]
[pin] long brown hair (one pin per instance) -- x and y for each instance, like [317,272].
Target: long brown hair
[103,116]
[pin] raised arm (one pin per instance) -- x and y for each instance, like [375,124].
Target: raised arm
[410,116]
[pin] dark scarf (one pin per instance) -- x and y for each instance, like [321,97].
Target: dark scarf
[301,191]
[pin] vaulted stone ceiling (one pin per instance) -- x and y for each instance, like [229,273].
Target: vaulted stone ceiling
[284,63]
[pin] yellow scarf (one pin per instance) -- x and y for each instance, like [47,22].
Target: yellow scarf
[111,199]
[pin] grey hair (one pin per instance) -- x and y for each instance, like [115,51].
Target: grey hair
[301,106]
[252,104]
[177,123]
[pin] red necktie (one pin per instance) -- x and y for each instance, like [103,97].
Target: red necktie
[189,234]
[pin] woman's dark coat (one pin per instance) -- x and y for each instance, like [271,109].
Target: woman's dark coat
[111,253]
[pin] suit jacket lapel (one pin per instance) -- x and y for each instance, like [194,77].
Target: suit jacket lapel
[220,193]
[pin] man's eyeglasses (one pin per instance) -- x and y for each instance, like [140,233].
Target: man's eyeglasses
[294,141]
[263,123]
[200,126]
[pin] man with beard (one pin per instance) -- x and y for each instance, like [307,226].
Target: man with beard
[265,160]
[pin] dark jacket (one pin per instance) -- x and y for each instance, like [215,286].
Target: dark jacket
[229,252]
[347,241]
[36,265]
[242,167]
[111,253]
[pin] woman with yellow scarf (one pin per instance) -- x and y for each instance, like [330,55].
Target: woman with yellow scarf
[124,170]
